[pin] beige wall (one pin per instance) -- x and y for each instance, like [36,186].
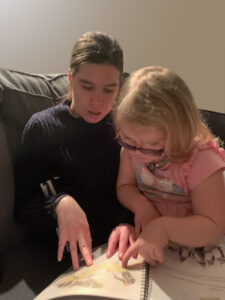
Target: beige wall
[187,36]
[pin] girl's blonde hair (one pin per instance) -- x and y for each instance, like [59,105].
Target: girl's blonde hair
[156,96]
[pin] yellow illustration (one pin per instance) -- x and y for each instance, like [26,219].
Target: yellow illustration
[95,276]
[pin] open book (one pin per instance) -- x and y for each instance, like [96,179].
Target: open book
[186,274]
[105,279]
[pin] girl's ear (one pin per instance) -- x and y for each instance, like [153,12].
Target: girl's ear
[69,75]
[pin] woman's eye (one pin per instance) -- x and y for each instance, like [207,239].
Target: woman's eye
[87,87]
[108,91]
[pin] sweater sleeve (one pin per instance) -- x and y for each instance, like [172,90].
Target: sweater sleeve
[35,191]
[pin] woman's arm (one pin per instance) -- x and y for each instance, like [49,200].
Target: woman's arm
[35,201]
[32,169]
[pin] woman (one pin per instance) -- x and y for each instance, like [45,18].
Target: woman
[70,156]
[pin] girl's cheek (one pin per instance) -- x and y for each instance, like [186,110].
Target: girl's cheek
[145,158]
[141,156]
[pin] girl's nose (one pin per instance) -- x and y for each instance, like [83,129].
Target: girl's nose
[138,152]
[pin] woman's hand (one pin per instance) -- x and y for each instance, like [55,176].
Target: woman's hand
[73,228]
[120,239]
[149,244]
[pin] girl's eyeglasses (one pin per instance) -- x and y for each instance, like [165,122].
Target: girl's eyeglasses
[146,151]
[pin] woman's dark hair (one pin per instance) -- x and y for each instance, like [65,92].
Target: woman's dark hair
[97,48]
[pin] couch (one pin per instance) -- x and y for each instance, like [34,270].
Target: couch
[28,264]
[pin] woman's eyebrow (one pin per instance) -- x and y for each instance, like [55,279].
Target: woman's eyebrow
[86,81]
[89,82]
[112,84]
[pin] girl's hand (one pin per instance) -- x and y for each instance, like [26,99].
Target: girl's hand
[73,228]
[149,244]
[120,238]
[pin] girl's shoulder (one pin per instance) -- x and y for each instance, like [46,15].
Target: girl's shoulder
[204,151]
[206,158]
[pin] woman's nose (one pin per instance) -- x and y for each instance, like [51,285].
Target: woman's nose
[98,98]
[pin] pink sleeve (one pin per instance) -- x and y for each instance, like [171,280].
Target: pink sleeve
[206,162]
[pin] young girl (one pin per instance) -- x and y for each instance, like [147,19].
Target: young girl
[171,168]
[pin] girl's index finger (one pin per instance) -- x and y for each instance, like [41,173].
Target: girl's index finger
[131,251]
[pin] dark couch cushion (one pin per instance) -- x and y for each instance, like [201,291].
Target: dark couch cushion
[22,94]
[216,122]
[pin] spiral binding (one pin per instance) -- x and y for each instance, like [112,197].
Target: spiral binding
[146,284]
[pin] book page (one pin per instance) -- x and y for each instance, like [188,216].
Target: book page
[190,274]
[105,278]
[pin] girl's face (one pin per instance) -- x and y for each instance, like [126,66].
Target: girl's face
[146,142]
[94,88]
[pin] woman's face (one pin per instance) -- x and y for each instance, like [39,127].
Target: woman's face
[94,88]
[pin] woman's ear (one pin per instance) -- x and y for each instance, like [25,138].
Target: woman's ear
[69,75]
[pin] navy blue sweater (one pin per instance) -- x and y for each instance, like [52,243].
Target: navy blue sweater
[80,159]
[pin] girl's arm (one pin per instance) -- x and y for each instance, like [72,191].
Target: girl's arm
[128,193]
[207,224]
[205,227]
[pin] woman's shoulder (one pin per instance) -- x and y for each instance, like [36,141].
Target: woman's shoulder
[49,114]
